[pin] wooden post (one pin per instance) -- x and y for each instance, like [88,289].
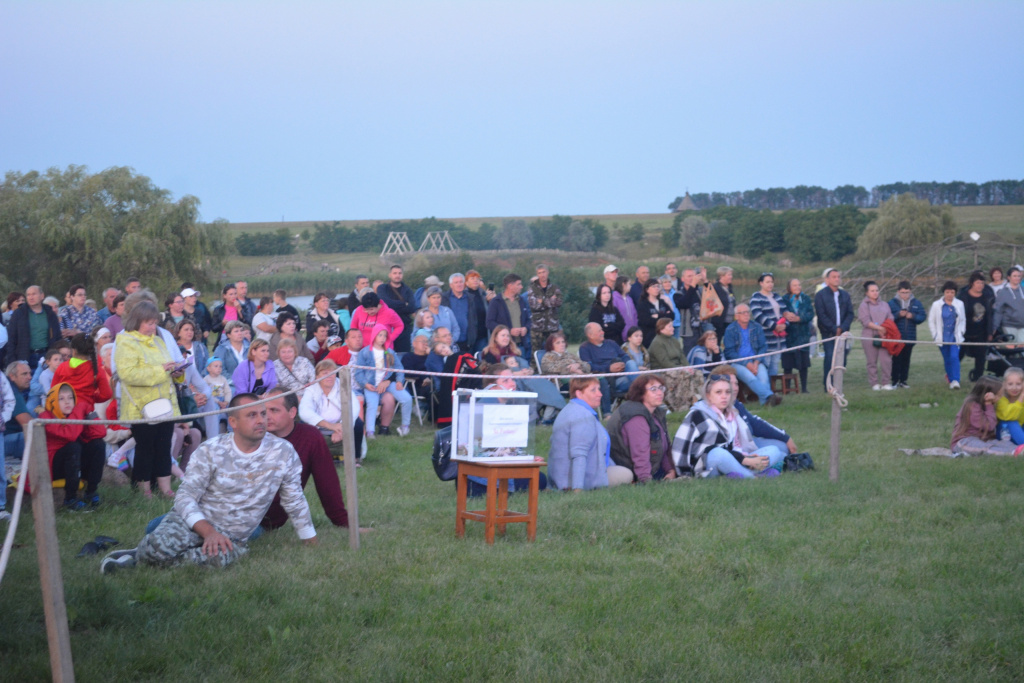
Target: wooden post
[349,444]
[50,577]
[839,369]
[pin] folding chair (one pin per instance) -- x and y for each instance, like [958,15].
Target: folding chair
[410,385]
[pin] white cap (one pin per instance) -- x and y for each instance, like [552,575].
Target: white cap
[188,291]
[610,269]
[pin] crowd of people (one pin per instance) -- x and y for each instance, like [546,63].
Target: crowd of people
[132,359]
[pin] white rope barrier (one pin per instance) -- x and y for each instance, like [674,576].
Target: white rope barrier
[16,514]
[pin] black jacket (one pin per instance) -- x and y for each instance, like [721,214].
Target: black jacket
[825,308]
[476,325]
[19,342]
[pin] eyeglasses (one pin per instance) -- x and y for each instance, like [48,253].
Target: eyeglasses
[720,378]
[772,275]
[656,388]
[742,312]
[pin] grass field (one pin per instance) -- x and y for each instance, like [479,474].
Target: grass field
[908,568]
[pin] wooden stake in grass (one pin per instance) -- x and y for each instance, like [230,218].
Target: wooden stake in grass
[349,444]
[838,369]
[56,611]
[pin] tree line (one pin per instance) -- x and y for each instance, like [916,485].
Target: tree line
[808,236]
[956,193]
[557,232]
[64,227]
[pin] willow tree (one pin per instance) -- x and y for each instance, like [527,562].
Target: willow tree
[70,226]
[905,221]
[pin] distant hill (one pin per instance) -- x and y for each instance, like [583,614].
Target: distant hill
[957,193]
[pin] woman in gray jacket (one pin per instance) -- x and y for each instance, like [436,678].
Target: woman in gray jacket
[1008,310]
[579,456]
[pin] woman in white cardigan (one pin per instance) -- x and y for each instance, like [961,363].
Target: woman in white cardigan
[947,321]
[320,406]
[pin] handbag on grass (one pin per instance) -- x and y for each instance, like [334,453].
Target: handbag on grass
[795,462]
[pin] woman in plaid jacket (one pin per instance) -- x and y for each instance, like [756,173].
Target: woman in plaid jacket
[714,440]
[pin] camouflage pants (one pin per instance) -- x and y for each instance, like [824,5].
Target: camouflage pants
[682,389]
[173,543]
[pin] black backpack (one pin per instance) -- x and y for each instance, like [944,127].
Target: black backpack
[444,468]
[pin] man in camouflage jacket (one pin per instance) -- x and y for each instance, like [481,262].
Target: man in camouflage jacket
[545,300]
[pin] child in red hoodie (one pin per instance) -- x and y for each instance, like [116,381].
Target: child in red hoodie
[88,378]
[69,448]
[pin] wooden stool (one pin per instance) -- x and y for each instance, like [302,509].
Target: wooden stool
[785,384]
[497,514]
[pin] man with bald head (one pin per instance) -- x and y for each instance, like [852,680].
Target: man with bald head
[606,356]
[636,290]
[33,329]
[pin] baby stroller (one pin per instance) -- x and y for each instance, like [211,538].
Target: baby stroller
[1000,358]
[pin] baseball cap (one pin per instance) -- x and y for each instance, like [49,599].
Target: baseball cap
[610,269]
[188,291]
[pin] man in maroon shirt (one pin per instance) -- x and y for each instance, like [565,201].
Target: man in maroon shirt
[314,455]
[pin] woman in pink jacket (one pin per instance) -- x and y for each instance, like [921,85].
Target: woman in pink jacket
[871,313]
[372,312]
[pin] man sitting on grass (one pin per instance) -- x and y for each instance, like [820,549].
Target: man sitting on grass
[230,484]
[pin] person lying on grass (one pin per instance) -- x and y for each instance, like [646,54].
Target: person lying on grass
[714,440]
[975,429]
[230,484]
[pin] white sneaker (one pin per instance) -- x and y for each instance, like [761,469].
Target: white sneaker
[403,431]
[887,387]
[4,515]
[954,385]
[877,387]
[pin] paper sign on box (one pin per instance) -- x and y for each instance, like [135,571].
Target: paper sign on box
[505,426]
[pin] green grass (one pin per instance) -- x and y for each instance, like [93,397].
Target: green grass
[908,568]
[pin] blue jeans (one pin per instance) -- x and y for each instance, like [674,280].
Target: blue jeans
[759,383]
[477,486]
[3,477]
[621,385]
[14,444]
[951,361]
[1011,429]
[829,348]
[771,363]
[722,462]
[373,400]
[780,446]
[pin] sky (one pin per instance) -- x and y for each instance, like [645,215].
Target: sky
[381,110]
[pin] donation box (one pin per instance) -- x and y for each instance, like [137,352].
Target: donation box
[493,426]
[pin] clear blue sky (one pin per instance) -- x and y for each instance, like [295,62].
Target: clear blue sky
[344,110]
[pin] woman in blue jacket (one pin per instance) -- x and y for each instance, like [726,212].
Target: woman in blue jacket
[908,313]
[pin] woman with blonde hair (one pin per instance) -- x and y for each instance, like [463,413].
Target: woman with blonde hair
[256,375]
[293,371]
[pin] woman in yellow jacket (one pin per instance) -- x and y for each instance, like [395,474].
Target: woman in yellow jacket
[144,367]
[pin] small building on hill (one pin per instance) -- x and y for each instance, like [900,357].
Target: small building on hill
[685,205]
